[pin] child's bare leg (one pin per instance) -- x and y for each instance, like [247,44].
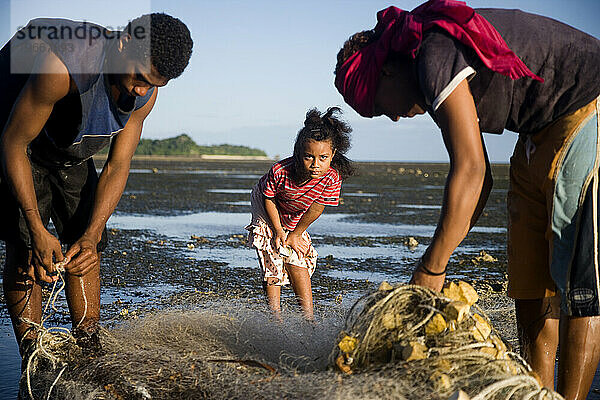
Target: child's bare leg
[300,281]
[273,294]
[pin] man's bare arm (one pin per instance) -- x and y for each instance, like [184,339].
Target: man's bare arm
[48,83]
[467,186]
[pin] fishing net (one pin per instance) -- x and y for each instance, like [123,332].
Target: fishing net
[443,343]
[392,344]
[230,349]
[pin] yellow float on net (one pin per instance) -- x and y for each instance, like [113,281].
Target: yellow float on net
[348,344]
[461,292]
[436,325]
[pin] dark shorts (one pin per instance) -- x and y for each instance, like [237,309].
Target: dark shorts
[64,195]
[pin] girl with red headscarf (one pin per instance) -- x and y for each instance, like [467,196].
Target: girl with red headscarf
[490,70]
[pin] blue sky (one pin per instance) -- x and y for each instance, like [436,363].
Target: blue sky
[258,66]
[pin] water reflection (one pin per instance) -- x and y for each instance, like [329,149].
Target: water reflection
[360,194]
[364,275]
[216,172]
[230,191]
[9,362]
[218,223]
[420,206]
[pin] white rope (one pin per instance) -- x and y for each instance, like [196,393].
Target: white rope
[55,381]
[59,334]
[518,383]
[84,302]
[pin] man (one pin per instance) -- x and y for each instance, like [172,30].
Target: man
[470,70]
[68,89]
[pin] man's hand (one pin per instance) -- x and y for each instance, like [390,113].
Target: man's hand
[83,255]
[435,282]
[296,242]
[46,249]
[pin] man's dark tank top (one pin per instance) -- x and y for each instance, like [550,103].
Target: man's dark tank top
[80,125]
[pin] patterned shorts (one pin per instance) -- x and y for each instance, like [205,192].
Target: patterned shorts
[272,261]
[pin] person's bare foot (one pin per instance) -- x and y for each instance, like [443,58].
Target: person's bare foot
[88,340]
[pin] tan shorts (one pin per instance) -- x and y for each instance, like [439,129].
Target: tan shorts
[552,208]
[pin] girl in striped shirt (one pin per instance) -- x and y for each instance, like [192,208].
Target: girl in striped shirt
[290,197]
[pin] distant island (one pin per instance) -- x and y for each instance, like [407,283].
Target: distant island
[183,145]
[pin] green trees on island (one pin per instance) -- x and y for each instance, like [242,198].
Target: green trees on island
[183,145]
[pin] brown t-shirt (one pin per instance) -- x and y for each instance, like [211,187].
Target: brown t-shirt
[567,59]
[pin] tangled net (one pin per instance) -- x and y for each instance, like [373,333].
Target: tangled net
[444,343]
[393,342]
[230,349]
[54,347]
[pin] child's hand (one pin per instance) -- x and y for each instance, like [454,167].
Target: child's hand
[296,242]
[279,239]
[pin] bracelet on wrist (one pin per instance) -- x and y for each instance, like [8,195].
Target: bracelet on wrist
[423,268]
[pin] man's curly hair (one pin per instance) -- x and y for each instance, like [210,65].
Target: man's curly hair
[170,43]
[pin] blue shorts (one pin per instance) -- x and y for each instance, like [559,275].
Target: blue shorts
[553,201]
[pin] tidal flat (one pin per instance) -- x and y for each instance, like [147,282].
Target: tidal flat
[178,233]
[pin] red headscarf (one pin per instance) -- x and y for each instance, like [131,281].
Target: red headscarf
[402,31]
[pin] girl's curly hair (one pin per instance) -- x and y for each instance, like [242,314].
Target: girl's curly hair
[319,127]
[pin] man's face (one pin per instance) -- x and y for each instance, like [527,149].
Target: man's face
[398,95]
[138,78]
[131,75]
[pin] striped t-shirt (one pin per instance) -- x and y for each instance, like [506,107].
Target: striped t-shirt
[293,200]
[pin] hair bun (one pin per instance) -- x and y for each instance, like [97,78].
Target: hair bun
[355,43]
[313,119]
[329,117]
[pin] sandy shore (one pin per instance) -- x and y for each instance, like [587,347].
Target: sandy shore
[196,158]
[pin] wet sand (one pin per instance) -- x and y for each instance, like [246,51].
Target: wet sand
[153,262]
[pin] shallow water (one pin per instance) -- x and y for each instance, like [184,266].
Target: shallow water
[219,223]
[230,191]
[220,173]
[10,362]
[360,194]
[419,206]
